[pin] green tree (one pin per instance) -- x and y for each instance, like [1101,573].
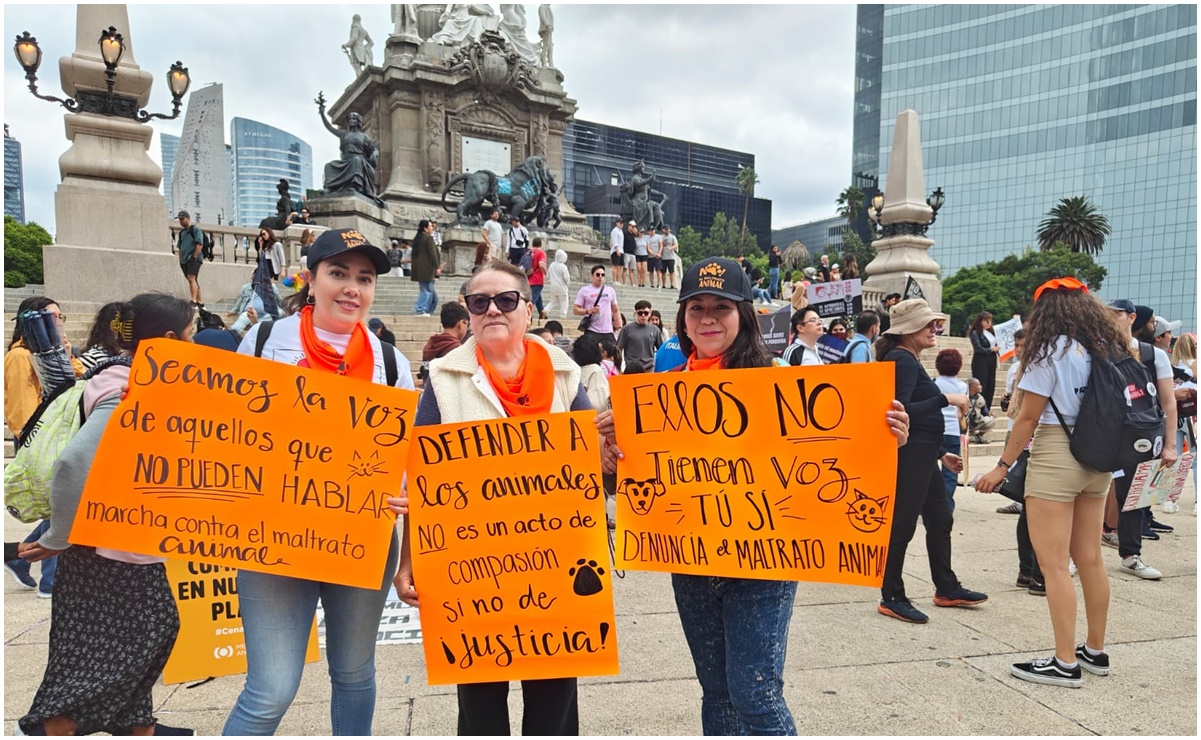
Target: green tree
[746,180]
[726,240]
[1007,287]
[852,244]
[850,204]
[23,252]
[1076,223]
[690,246]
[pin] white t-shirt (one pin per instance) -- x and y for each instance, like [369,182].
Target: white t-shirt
[616,241]
[950,414]
[653,245]
[1062,377]
[492,230]
[284,345]
[640,246]
[670,245]
[1163,363]
[1012,374]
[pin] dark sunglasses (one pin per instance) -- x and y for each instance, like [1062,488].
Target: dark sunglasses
[643,313]
[506,302]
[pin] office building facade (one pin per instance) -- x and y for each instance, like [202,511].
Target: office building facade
[1023,105]
[14,178]
[168,145]
[698,180]
[819,237]
[261,156]
[200,172]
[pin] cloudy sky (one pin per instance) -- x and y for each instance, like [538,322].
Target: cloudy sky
[772,80]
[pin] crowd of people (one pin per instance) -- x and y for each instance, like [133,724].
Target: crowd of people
[488,360]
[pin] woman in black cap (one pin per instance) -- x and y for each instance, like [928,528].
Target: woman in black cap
[736,628]
[325,331]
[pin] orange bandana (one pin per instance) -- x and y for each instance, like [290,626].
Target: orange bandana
[358,362]
[713,363]
[532,389]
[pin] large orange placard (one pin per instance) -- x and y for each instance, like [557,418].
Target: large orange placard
[232,460]
[774,473]
[211,641]
[510,553]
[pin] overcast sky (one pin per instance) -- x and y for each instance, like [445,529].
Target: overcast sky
[772,80]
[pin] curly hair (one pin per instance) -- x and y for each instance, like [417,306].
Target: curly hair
[1077,315]
[949,362]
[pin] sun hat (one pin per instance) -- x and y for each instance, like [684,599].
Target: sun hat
[912,315]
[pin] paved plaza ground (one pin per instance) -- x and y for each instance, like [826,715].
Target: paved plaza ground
[849,670]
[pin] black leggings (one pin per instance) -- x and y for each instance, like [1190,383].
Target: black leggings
[550,707]
[920,491]
[984,369]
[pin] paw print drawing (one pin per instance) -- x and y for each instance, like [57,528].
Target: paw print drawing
[587,577]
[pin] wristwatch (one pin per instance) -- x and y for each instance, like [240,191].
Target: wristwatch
[1002,463]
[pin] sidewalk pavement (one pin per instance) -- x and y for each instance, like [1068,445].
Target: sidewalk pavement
[849,670]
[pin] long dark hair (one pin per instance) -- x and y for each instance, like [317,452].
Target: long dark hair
[32,303]
[155,314]
[978,322]
[747,350]
[102,334]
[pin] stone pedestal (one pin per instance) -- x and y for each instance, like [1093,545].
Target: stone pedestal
[899,258]
[352,212]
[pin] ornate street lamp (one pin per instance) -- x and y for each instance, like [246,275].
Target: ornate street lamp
[935,201]
[112,47]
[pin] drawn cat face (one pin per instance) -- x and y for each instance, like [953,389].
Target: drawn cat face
[865,513]
[641,493]
[365,467]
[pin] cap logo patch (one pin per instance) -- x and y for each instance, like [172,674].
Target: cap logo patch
[352,239]
[712,275]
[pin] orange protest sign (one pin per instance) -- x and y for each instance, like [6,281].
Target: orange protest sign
[233,460]
[774,473]
[210,641]
[510,553]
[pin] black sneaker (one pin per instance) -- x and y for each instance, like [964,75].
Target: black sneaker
[903,610]
[1023,580]
[1048,671]
[1153,524]
[19,570]
[1149,534]
[960,596]
[1098,665]
[1037,588]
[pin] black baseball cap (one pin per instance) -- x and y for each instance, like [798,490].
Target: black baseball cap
[336,241]
[183,214]
[1125,305]
[716,276]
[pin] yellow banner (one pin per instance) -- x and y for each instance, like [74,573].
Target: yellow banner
[774,473]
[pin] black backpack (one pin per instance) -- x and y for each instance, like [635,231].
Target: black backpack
[206,246]
[1120,423]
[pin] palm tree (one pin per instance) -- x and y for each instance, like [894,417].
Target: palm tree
[1076,223]
[746,180]
[850,204]
[796,256]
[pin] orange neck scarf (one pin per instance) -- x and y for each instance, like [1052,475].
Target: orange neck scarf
[532,389]
[695,363]
[358,362]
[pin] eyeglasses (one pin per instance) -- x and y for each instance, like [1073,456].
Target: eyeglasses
[506,302]
[814,320]
[642,313]
[598,274]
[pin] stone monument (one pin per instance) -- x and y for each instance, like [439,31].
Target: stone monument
[469,92]
[112,240]
[903,251]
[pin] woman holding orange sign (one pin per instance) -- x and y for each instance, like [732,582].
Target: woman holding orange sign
[736,628]
[499,372]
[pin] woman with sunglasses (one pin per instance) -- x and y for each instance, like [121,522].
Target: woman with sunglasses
[736,628]
[1065,501]
[499,372]
[920,490]
[113,621]
[325,332]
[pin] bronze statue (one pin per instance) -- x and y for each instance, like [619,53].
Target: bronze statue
[528,192]
[355,171]
[284,208]
[637,198]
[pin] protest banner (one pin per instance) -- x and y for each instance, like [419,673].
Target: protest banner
[233,460]
[210,641]
[510,549]
[831,348]
[912,290]
[775,473]
[840,298]
[1153,484]
[774,328]
[1004,334]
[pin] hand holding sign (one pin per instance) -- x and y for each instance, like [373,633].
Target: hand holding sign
[775,473]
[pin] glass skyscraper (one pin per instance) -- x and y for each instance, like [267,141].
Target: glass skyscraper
[1023,105]
[262,155]
[14,179]
[169,145]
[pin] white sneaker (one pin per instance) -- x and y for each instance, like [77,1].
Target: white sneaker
[1071,567]
[1134,565]
[1110,539]
[1170,507]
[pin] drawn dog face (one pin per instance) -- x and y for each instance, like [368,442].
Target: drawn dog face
[642,494]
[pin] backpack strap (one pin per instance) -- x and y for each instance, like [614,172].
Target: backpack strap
[1059,416]
[260,339]
[391,373]
[1146,355]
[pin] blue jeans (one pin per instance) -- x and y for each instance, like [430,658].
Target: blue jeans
[774,272]
[276,614]
[737,632]
[761,294]
[427,297]
[536,290]
[950,479]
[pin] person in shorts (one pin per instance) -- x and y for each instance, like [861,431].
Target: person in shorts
[641,255]
[654,258]
[617,250]
[668,264]
[630,249]
[191,255]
